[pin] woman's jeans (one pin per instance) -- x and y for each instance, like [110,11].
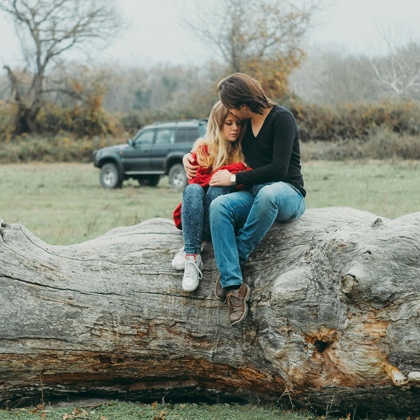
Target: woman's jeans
[239,221]
[196,202]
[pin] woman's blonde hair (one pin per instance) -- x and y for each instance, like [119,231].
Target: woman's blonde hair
[221,151]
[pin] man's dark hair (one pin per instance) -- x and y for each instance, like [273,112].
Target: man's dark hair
[240,89]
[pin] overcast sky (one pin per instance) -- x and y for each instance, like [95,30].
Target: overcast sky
[154,33]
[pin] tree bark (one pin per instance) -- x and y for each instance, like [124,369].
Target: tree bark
[333,322]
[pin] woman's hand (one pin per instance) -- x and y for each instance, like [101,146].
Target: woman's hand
[190,169]
[221,179]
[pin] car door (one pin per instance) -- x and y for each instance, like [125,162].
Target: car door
[163,146]
[136,158]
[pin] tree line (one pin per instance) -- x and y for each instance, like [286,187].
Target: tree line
[266,40]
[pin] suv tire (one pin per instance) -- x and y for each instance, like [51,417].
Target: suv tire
[110,177]
[177,177]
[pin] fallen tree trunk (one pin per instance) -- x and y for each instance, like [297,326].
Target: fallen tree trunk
[333,322]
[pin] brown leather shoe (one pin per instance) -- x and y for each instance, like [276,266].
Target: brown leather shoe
[237,301]
[219,291]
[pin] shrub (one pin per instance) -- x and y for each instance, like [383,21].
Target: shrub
[89,120]
[61,148]
[326,123]
[380,144]
[384,144]
[7,120]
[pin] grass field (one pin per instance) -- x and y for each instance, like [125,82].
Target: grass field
[64,203]
[129,411]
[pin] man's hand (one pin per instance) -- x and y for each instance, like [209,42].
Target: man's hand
[221,179]
[190,169]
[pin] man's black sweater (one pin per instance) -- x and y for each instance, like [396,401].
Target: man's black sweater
[274,154]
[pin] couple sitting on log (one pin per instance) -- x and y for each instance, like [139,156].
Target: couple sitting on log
[243,176]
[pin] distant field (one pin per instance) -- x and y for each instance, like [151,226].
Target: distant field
[64,203]
[388,189]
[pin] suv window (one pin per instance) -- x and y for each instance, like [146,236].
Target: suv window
[164,136]
[145,137]
[186,135]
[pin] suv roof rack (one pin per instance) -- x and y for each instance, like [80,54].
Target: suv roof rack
[199,120]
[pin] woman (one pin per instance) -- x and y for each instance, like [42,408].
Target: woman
[220,149]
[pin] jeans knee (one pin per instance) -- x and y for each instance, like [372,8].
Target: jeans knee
[217,206]
[213,192]
[266,198]
[214,206]
[194,190]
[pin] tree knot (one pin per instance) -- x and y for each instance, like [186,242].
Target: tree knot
[377,222]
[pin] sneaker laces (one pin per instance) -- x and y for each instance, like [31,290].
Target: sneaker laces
[190,266]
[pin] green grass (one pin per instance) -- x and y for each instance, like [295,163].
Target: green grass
[128,411]
[388,189]
[63,203]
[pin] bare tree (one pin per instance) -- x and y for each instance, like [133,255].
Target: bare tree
[333,78]
[261,38]
[163,91]
[47,30]
[398,75]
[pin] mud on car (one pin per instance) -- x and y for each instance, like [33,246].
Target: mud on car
[156,150]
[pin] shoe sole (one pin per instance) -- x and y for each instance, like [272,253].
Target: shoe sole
[189,290]
[248,294]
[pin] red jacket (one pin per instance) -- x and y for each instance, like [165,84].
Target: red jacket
[202,178]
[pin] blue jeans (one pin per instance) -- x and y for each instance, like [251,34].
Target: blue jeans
[239,221]
[196,202]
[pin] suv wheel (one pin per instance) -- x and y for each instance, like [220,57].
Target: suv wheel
[177,177]
[109,176]
[149,181]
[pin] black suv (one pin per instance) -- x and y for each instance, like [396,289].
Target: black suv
[154,151]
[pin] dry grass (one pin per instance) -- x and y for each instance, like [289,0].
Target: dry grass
[64,203]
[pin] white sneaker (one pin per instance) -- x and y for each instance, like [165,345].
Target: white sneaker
[192,274]
[179,260]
